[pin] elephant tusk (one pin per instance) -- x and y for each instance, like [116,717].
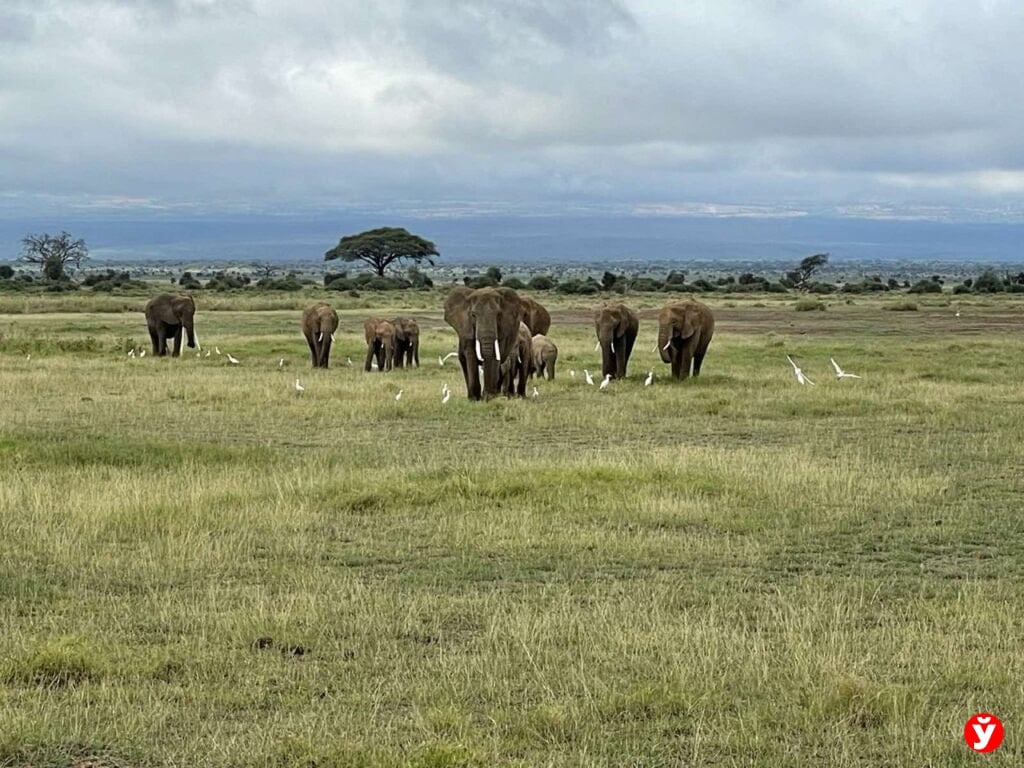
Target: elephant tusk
[320,337]
[479,352]
[613,347]
[667,344]
[195,338]
[497,349]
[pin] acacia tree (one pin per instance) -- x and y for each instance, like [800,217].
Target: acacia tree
[380,247]
[801,276]
[53,253]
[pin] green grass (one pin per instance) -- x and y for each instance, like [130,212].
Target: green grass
[733,570]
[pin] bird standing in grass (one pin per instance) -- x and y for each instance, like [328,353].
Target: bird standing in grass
[399,395]
[572,374]
[280,364]
[446,396]
[840,373]
[649,379]
[299,388]
[535,394]
[588,377]
[800,377]
[233,360]
[131,352]
[217,350]
[142,353]
[349,362]
[606,382]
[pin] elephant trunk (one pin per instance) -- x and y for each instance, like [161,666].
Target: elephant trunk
[606,338]
[665,342]
[192,343]
[487,349]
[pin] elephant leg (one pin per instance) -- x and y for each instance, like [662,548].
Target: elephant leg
[677,362]
[368,366]
[177,342]
[416,353]
[161,339]
[470,373]
[687,358]
[325,351]
[155,339]
[620,358]
[399,355]
[549,371]
[314,358]
[698,358]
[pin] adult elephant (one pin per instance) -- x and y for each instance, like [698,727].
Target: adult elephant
[616,326]
[685,329]
[520,365]
[319,322]
[537,319]
[545,354]
[166,316]
[407,342]
[380,343]
[487,321]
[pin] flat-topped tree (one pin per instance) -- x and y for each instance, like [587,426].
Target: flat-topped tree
[380,247]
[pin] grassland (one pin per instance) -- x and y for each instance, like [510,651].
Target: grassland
[731,571]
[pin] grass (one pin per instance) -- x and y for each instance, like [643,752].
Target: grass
[733,570]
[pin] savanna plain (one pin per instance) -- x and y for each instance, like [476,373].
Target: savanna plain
[200,566]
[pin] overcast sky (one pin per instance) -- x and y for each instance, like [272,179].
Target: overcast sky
[761,106]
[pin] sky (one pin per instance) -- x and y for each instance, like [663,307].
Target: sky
[761,108]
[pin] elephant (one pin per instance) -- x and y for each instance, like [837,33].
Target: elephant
[545,353]
[380,343]
[407,342]
[520,365]
[535,316]
[616,326]
[685,329]
[166,315]
[319,322]
[487,321]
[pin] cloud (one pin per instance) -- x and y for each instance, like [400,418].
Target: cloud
[733,102]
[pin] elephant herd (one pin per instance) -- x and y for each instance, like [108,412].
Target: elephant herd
[502,337]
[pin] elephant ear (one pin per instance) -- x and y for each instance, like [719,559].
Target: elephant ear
[688,321]
[456,311]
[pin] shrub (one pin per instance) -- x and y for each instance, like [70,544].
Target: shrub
[645,284]
[287,283]
[902,306]
[514,283]
[988,282]
[809,305]
[6,271]
[541,283]
[1015,288]
[925,286]
[821,288]
[959,289]
[700,284]
[581,287]
[330,277]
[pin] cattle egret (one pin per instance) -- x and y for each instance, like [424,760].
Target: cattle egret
[442,360]
[399,395]
[444,388]
[199,354]
[232,360]
[131,352]
[207,353]
[349,361]
[572,374]
[299,388]
[840,373]
[588,377]
[649,379]
[446,396]
[535,393]
[606,382]
[142,353]
[29,358]
[217,350]
[798,373]
[958,313]
[280,364]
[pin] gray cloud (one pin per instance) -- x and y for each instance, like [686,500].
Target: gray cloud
[269,103]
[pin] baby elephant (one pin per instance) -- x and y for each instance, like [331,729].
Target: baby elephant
[380,344]
[545,353]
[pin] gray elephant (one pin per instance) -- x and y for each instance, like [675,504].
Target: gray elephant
[616,326]
[545,354]
[380,343]
[519,367]
[685,329]
[537,319]
[407,342]
[319,322]
[166,316]
[487,321]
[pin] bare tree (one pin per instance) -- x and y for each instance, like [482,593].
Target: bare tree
[53,253]
[265,269]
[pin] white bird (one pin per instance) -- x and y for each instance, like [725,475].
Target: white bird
[649,379]
[207,353]
[446,396]
[444,388]
[299,388]
[199,354]
[399,395]
[349,361]
[280,364]
[798,373]
[442,360]
[131,352]
[840,373]
[217,350]
[28,358]
[535,393]
[142,353]
[606,382]
[958,313]
[572,374]
[589,378]
[232,360]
